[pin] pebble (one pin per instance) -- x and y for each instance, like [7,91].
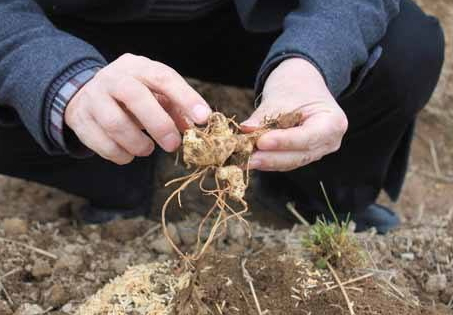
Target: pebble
[72,262]
[124,230]
[162,246]
[57,295]
[436,283]
[173,232]
[90,276]
[67,308]
[29,309]
[119,264]
[237,232]
[14,226]
[41,269]
[408,256]
[187,232]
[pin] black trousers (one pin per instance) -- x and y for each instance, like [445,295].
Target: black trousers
[381,111]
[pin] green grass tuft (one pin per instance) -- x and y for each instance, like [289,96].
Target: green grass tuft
[333,242]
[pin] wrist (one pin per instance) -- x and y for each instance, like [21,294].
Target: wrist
[298,79]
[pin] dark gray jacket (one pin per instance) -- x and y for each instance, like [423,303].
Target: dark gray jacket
[335,35]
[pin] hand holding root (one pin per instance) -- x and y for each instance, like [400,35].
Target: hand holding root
[223,150]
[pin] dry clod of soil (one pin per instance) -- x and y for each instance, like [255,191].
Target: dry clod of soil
[120,264]
[187,232]
[436,283]
[57,296]
[15,226]
[41,269]
[124,230]
[162,246]
[74,263]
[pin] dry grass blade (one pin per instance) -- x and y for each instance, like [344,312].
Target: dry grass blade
[32,248]
[291,208]
[369,275]
[433,151]
[343,291]
[10,273]
[8,297]
[249,280]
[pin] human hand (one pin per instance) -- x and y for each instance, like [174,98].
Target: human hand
[130,94]
[296,85]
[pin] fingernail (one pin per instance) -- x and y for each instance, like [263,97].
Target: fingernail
[254,163]
[201,113]
[267,144]
[171,142]
[250,123]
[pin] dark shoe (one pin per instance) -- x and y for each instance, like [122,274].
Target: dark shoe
[377,216]
[90,214]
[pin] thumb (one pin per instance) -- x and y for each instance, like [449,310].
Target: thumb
[251,124]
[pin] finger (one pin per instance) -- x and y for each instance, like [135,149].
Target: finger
[164,80]
[281,161]
[181,120]
[143,105]
[120,127]
[314,134]
[95,138]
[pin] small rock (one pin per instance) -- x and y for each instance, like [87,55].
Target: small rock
[67,308]
[124,230]
[57,296]
[162,246]
[29,309]
[72,262]
[41,269]
[15,226]
[162,258]
[408,256]
[173,233]
[187,232]
[89,276]
[436,283]
[119,264]
[94,237]
[237,232]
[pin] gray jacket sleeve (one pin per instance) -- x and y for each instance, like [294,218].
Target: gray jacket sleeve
[334,35]
[34,62]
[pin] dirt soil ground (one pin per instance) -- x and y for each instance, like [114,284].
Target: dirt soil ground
[51,264]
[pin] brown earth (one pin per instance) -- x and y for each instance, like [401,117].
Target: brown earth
[78,260]
[283,286]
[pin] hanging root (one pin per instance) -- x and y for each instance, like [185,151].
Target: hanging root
[220,147]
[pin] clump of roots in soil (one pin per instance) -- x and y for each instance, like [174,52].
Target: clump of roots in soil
[222,151]
[333,243]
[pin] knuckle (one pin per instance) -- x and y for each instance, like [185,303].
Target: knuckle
[162,129]
[341,125]
[144,148]
[114,123]
[104,75]
[127,57]
[163,74]
[125,89]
